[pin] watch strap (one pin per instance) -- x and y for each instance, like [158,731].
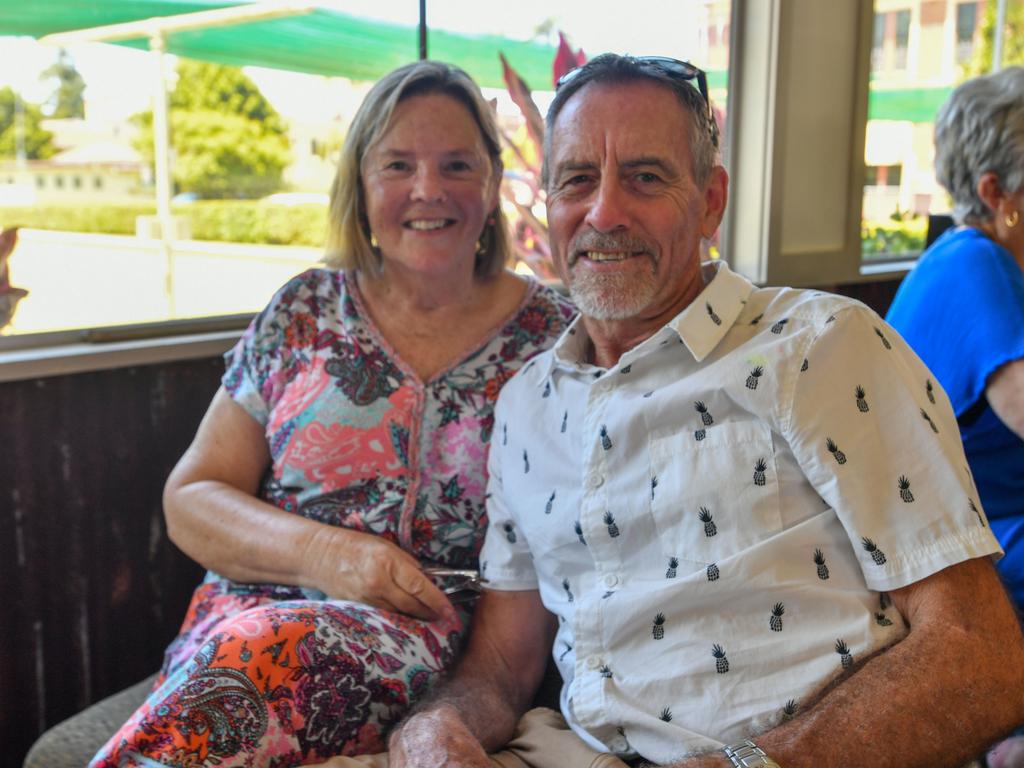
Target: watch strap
[746,754]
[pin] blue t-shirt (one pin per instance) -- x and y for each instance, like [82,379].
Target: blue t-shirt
[962,311]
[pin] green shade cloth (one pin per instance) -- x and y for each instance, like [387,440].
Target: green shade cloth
[324,42]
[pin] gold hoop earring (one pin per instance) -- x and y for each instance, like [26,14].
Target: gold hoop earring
[373,242]
[1011,220]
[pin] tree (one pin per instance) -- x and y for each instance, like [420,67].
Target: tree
[228,140]
[67,99]
[980,62]
[20,130]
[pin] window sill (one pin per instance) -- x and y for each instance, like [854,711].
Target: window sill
[64,359]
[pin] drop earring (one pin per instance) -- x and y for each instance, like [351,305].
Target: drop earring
[1011,220]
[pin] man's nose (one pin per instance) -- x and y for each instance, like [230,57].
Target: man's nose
[609,208]
[427,185]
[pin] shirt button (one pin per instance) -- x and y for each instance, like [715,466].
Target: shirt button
[593,662]
[595,480]
[611,580]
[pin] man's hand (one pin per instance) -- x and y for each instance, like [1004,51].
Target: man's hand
[436,738]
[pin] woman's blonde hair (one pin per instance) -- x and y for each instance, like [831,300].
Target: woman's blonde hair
[348,237]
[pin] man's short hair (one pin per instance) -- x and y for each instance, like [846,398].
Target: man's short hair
[613,68]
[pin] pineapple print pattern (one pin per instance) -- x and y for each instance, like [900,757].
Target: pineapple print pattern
[706,420]
[846,659]
[929,390]
[613,528]
[904,486]
[721,660]
[605,671]
[627,369]
[759,469]
[565,421]
[804,366]
[568,590]
[666,715]
[754,377]
[526,463]
[579,532]
[757,319]
[775,622]
[510,532]
[547,389]
[654,484]
[838,455]
[705,417]
[882,620]
[862,404]
[504,434]
[926,417]
[711,313]
[606,442]
[885,341]
[550,504]
[658,629]
[819,560]
[789,710]
[777,328]
[713,572]
[974,509]
[710,529]
[884,601]
[673,563]
[872,549]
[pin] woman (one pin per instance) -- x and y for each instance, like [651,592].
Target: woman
[345,452]
[962,306]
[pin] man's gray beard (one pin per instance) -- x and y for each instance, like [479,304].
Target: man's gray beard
[612,297]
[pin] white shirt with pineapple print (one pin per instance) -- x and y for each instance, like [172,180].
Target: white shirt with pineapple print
[716,520]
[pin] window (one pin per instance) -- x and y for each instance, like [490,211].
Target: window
[902,39]
[966,24]
[152,287]
[878,42]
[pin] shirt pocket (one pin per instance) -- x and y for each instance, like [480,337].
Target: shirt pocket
[715,496]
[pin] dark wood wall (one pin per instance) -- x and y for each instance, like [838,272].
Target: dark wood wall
[91,589]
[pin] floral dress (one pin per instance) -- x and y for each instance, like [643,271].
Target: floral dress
[275,675]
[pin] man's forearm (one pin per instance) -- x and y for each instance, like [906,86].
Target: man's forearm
[937,698]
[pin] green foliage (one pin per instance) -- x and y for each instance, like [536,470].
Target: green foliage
[239,221]
[1013,40]
[228,140]
[67,99]
[37,143]
[894,238]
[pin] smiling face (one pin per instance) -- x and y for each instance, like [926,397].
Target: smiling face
[626,215]
[429,186]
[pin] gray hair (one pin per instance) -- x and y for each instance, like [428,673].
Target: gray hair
[980,129]
[348,235]
[612,68]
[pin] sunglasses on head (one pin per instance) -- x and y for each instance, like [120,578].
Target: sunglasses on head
[673,68]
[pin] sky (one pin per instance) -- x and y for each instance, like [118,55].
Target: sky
[120,81]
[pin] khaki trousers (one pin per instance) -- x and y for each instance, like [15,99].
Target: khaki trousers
[542,740]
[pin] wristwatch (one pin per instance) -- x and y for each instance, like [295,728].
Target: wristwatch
[746,754]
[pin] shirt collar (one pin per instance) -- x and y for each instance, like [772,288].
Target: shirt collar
[723,297]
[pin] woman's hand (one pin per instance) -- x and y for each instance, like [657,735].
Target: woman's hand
[351,565]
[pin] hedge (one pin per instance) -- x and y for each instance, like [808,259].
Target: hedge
[238,221]
[893,238]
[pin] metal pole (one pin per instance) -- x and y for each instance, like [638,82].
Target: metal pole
[161,153]
[998,35]
[423,29]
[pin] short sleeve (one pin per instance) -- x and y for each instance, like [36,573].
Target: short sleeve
[878,441]
[266,356]
[505,560]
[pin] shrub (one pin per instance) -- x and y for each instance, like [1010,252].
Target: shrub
[238,221]
[893,238]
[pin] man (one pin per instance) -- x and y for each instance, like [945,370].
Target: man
[741,514]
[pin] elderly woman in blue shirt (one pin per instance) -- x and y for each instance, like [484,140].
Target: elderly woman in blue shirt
[962,307]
